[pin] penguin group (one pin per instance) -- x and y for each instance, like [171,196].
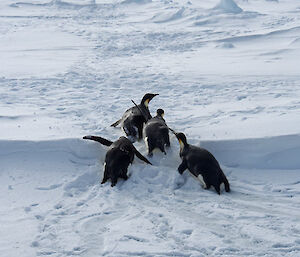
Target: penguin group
[137,123]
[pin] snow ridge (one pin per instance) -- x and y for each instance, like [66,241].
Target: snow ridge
[64,177]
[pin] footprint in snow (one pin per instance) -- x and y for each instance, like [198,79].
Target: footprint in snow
[49,187]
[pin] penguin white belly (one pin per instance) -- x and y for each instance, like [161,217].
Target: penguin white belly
[104,165]
[125,130]
[199,178]
[146,143]
[222,187]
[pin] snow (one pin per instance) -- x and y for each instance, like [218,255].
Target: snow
[43,52]
[227,76]
[228,6]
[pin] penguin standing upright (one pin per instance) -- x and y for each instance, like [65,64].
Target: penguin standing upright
[118,157]
[133,119]
[156,133]
[202,164]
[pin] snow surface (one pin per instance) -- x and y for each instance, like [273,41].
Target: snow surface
[228,77]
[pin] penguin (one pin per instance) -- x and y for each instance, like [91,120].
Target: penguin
[118,157]
[202,164]
[156,133]
[134,118]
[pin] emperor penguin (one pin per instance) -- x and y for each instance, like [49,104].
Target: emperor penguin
[134,118]
[202,164]
[156,133]
[118,157]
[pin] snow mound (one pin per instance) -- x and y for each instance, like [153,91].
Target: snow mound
[169,16]
[228,6]
[225,45]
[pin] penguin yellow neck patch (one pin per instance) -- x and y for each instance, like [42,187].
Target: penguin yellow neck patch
[181,144]
[146,103]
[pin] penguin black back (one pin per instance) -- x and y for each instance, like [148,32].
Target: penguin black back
[133,119]
[202,164]
[118,157]
[156,133]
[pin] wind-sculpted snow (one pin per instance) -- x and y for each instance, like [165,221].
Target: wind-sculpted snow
[55,187]
[227,76]
[172,16]
[228,6]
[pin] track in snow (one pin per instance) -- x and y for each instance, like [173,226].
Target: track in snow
[227,73]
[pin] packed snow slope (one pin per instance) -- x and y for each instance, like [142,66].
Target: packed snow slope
[228,77]
[52,202]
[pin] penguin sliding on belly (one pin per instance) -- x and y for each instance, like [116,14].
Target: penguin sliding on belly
[134,118]
[202,164]
[156,133]
[118,157]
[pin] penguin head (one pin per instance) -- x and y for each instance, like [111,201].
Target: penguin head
[160,113]
[181,139]
[147,98]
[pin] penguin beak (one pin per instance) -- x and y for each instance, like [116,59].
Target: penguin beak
[149,99]
[153,96]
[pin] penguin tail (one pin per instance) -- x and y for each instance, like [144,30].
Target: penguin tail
[116,123]
[226,183]
[101,140]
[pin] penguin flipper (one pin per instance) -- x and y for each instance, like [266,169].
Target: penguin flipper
[141,157]
[101,140]
[116,123]
[182,167]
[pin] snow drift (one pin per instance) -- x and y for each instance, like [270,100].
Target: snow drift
[55,187]
[228,6]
